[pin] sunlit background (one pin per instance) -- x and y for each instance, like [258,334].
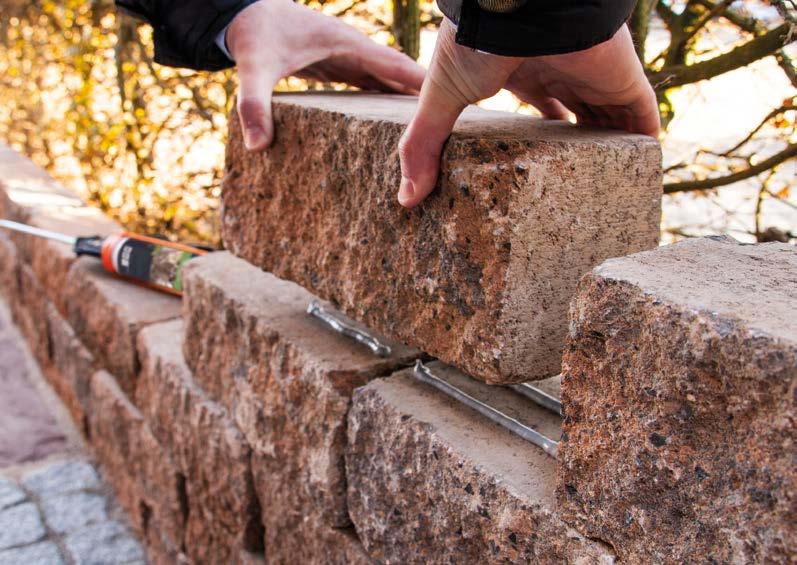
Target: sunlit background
[79,94]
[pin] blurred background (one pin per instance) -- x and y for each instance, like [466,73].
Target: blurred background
[80,95]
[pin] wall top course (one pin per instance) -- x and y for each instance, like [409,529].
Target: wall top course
[480,274]
[754,284]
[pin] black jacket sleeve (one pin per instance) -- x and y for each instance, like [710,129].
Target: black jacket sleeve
[185,30]
[529,28]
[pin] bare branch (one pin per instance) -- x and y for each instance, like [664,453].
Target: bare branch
[684,186]
[741,56]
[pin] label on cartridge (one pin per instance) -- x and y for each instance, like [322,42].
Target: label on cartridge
[155,264]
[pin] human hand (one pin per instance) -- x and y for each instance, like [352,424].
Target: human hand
[276,38]
[603,86]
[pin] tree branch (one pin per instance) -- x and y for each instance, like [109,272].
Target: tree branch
[685,186]
[740,56]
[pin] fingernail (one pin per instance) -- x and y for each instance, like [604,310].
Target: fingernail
[406,191]
[254,137]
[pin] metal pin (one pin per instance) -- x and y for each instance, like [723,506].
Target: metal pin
[344,328]
[422,373]
[539,396]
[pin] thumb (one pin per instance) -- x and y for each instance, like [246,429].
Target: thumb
[439,106]
[254,104]
[422,143]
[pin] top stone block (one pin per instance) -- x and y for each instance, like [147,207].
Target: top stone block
[480,274]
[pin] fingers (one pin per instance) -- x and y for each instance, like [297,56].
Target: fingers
[439,107]
[457,77]
[392,68]
[254,104]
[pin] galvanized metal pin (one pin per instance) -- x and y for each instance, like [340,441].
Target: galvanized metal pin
[344,328]
[539,396]
[423,374]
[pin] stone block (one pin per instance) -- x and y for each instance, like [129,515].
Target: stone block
[72,365]
[310,541]
[29,309]
[107,313]
[213,456]
[679,392]
[431,481]
[286,379]
[481,274]
[147,483]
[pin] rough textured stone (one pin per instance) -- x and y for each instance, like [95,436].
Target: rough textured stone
[312,542]
[287,380]
[224,514]
[106,313]
[102,544]
[147,483]
[72,365]
[74,511]
[44,553]
[432,481]
[481,274]
[20,525]
[29,309]
[680,398]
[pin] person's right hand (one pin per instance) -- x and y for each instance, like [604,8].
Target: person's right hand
[603,86]
[273,39]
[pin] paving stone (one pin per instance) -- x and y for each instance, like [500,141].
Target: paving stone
[432,481]
[69,512]
[28,430]
[103,544]
[108,323]
[286,379]
[20,525]
[679,393]
[43,553]
[10,494]
[212,454]
[481,274]
[62,477]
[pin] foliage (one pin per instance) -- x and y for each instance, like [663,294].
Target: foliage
[82,97]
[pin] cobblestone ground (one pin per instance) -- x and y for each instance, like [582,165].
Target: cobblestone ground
[54,507]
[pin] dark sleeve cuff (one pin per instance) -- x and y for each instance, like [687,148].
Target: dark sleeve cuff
[539,27]
[185,30]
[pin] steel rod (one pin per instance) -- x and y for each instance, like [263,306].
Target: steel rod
[344,328]
[423,374]
[539,396]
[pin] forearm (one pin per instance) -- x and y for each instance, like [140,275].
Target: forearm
[185,31]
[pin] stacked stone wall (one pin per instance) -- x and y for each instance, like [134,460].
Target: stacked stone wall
[236,428]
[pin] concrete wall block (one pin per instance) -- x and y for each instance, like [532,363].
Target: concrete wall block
[481,274]
[432,481]
[679,389]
